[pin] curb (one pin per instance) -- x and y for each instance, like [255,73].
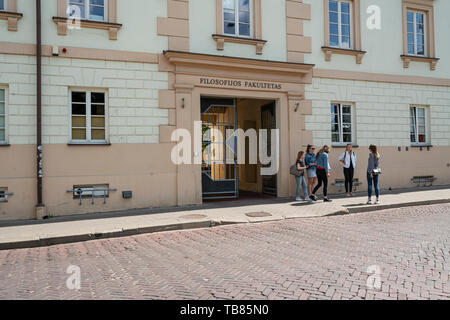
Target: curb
[44,242]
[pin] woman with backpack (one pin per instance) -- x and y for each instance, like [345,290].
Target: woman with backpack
[348,158]
[323,173]
[301,181]
[311,162]
[373,172]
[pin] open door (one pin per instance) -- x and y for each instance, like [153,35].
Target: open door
[268,122]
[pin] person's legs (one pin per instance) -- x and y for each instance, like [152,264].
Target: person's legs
[369,183]
[319,179]
[347,182]
[375,183]
[351,174]
[325,184]
[297,191]
[305,188]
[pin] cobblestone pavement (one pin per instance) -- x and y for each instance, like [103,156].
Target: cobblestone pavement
[317,258]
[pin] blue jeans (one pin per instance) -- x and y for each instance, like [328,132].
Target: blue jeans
[301,181]
[375,184]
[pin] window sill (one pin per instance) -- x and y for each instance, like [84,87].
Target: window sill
[4,145]
[221,39]
[408,58]
[88,144]
[344,145]
[12,17]
[112,28]
[329,51]
[424,145]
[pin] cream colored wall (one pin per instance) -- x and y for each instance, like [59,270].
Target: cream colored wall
[134,113]
[203,25]
[382,110]
[138,33]
[384,46]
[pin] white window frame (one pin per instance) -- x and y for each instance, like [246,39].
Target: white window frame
[425,31]
[341,131]
[88,140]
[86,10]
[5,5]
[236,20]
[416,126]
[350,3]
[5,142]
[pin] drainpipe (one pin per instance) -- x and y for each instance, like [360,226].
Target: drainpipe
[40,205]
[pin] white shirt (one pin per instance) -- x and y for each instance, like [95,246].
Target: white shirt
[346,156]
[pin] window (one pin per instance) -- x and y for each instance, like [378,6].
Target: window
[3,5]
[418,116]
[88,117]
[416,33]
[2,116]
[4,194]
[340,17]
[88,9]
[236,18]
[341,123]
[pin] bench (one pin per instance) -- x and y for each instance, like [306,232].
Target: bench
[340,183]
[423,180]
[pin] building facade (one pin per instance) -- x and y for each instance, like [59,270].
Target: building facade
[118,78]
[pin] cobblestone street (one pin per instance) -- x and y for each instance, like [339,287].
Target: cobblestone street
[315,258]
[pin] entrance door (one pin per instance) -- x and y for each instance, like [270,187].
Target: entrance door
[268,122]
[220,176]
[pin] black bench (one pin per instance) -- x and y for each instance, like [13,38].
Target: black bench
[340,183]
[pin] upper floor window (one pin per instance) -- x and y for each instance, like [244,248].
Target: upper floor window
[3,5]
[341,124]
[88,9]
[416,32]
[2,116]
[418,117]
[340,24]
[236,18]
[88,116]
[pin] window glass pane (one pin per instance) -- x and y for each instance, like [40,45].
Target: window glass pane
[346,42]
[244,16]
[410,48]
[77,9]
[345,7]
[97,13]
[335,128]
[98,97]
[244,5]
[244,29]
[420,112]
[410,38]
[228,4]
[2,135]
[413,138]
[410,27]
[79,97]
[347,109]
[419,18]
[228,16]
[420,50]
[346,128]
[409,17]
[2,121]
[2,108]
[345,30]
[78,122]
[229,27]
[79,109]
[346,118]
[333,6]
[334,29]
[98,122]
[98,134]
[2,5]
[2,95]
[334,17]
[335,137]
[78,134]
[98,110]
[345,19]
[347,137]
[334,41]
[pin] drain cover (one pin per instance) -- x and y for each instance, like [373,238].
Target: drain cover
[193,216]
[258,214]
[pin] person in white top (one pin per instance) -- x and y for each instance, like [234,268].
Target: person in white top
[348,158]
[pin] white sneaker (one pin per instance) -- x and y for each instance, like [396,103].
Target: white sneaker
[369,201]
[298,199]
[378,201]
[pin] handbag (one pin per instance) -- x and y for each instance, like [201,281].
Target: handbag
[295,172]
[376,171]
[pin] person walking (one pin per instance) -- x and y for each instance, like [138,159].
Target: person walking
[373,172]
[311,162]
[348,158]
[323,173]
[301,181]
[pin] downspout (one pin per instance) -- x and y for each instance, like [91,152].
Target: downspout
[40,208]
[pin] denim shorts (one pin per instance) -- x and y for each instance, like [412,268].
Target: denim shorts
[311,173]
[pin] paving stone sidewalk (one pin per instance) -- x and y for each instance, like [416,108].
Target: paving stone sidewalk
[90,227]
